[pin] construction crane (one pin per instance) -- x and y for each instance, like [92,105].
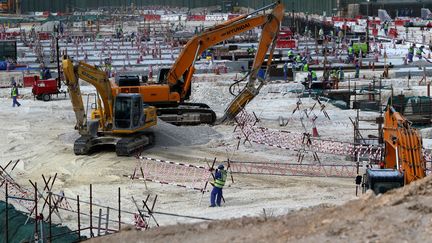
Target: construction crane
[120,120]
[173,87]
[403,157]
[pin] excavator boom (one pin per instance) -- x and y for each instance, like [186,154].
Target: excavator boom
[403,157]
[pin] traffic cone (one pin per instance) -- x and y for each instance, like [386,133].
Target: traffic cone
[315,131]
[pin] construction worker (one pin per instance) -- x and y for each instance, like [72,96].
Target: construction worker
[306,67]
[385,27]
[251,50]
[350,53]
[411,53]
[14,94]
[333,74]
[290,55]
[420,52]
[45,73]
[313,75]
[218,184]
[357,70]
[321,33]
[298,58]
[285,71]
[341,74]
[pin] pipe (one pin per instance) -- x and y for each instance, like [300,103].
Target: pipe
[397,158]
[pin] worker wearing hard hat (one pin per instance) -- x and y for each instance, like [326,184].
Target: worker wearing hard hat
[290,55]
[313,75]
[420,52]
[411,53]
[219,182]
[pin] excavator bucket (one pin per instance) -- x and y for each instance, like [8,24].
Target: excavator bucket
[240,101]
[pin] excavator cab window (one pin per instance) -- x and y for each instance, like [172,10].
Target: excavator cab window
[122,112]
[162,75]
[136,111]
[128,111]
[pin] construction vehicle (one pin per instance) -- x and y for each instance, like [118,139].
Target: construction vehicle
[121,120]
[9,6]
[44,89]
[173,87]
[403,158]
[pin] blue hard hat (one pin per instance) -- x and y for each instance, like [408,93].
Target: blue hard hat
[220,167]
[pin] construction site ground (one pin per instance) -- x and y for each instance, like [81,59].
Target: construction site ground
[41,134]
[402,215]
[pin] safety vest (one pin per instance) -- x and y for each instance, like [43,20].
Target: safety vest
[298,58]
[306,67]
[419,52]
[314,75]
[219,183]
[290,53]
[14,91]
[350,50]
[411,50]
[333,74]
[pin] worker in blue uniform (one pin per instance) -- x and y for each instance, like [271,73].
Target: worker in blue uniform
[218,184]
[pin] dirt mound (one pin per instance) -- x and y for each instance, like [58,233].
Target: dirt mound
[398,216]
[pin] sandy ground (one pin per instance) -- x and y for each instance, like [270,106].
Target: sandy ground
[41,135]
[402,215]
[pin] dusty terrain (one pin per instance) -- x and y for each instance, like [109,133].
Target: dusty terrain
[402,215]
[41,135]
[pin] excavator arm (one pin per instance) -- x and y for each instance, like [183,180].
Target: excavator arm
[403,158]
[403,146]
[180,76]
[267,41]
[100,81]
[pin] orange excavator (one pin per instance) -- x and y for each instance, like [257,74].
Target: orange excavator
[7,6]
[173,87]
[403,157]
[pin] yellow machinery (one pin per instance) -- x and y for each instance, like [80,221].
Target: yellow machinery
[403,158]
[120,120]
[174,85]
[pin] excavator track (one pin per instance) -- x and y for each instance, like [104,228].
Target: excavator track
[124,146]
[128,146]
[82,145]
[187,114]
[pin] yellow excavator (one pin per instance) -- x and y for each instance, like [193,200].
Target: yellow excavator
[403,157]
[122,120]
[173,87]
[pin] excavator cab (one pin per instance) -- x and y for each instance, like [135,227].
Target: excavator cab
[128,112]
